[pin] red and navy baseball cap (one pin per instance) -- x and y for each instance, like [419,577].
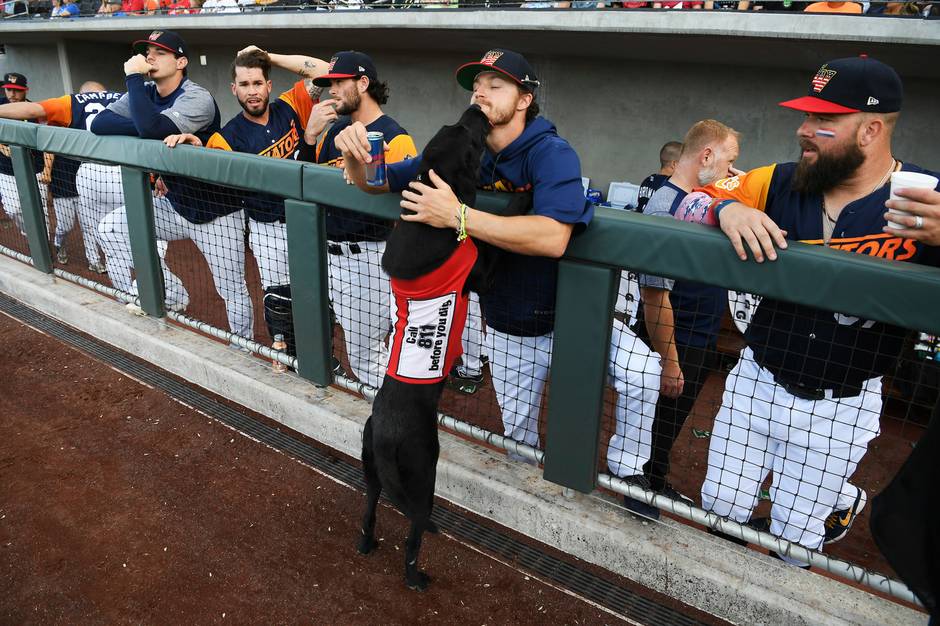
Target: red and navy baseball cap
[14,81]
[166,39]
[852,85]
[506,62]
[348,64]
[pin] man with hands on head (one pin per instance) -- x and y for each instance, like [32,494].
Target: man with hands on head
[272,129]
[524,153]
[805,398]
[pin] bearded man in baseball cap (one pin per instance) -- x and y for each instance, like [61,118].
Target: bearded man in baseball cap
[821,370]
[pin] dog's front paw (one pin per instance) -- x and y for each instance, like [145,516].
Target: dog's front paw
[367,544]
[417,580]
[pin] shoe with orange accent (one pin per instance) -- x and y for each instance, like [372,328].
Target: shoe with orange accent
[839,522]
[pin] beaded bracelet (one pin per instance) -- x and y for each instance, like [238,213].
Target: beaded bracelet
[462,221]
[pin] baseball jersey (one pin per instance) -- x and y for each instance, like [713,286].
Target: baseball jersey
[280,138]
[647,188]
[697,307]
[191,109]
[521,301]
[343,225]
[430,312]
[813,347]
[77,110]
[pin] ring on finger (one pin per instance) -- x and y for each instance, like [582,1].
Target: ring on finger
[918,221]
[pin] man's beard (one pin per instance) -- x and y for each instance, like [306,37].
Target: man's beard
[828,170]
[351,106]
[256,113]
[706,176]
[499,117]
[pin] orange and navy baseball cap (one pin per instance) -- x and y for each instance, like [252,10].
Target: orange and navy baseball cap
[348,64]
[852,85]
[506,62]
[166,39]
[14,81]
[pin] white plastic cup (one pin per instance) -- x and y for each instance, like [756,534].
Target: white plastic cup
[909,180]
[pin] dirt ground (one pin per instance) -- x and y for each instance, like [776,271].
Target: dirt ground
[120,505]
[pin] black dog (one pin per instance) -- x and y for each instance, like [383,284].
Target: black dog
[399,443]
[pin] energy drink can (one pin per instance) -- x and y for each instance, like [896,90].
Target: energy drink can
[375,171]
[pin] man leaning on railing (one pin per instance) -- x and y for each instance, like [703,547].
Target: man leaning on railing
[805,398]
[524,153]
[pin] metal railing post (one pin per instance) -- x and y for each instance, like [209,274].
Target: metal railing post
[584,307]
[138,202]
[310,290]
[34,214]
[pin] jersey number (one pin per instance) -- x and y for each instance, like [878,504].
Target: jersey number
[92,109]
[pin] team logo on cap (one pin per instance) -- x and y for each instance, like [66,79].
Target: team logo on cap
[490,57]
[822,78]
[155,35]
[11,79]
[332,63]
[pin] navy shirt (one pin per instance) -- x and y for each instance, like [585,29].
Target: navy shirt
[697,307]
[522,299]
[77,110]
[647,188]
[345,225]
[280,138]
[815,347]
[143,112]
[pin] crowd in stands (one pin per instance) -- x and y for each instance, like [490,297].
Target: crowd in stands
[122,8]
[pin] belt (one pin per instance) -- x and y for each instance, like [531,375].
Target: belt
[805,392]
[337,248]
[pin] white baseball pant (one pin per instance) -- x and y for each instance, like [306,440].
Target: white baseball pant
[633,372]
[520,367]
[268,241]
[812,446]
[472,339]
[99,192]
[66,210]
[361,292]
[10,196]
[221,242]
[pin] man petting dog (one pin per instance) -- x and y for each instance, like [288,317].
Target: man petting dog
[524,154]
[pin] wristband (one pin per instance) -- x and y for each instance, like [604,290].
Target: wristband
[721,205]
[462,221]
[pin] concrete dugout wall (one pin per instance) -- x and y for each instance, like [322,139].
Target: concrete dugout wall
[618,84]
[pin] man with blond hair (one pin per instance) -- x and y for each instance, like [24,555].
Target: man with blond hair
[682,318]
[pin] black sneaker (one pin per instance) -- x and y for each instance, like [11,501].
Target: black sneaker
[758,523]
[338,367]
[638,506]
[464,383]
[839,522]
[671,492]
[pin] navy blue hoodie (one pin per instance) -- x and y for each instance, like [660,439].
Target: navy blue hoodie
[522,299]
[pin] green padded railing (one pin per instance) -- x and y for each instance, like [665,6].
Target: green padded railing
[897,293]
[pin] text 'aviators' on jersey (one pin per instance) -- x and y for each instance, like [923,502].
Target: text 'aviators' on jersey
[77,110]
[280,138]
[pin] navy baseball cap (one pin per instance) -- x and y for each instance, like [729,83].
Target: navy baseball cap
[506,62]
[14,81]
[166,39]
[348,64]
[852,85]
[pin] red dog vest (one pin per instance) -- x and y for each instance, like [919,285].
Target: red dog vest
[430,312]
